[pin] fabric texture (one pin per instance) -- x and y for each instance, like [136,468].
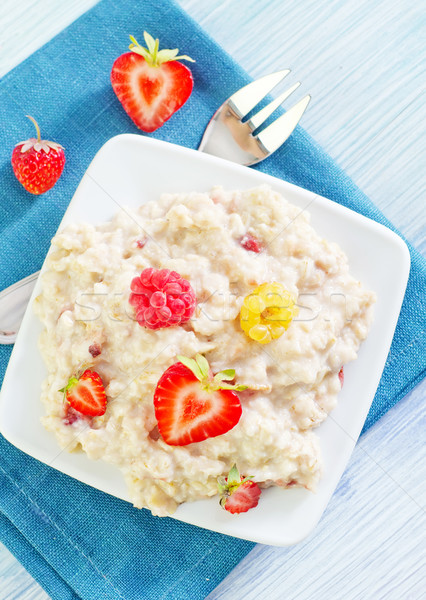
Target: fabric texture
[76,541]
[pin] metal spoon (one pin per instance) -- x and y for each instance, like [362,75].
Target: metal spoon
[13,303]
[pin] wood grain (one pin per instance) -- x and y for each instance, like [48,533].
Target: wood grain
[15,582]
[369,545]
[363,64]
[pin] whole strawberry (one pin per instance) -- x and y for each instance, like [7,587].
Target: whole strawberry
[38,163]
[238,494]
[150,83]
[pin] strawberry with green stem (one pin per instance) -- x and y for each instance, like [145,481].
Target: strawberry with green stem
[38,163]
[150,83]
[238,494]
[85,393]
[192,405]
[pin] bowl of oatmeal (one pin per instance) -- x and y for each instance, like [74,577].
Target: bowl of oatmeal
[228,231]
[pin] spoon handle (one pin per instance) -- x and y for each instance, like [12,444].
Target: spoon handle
[13,303]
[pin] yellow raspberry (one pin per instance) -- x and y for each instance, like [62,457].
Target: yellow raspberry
[267,312]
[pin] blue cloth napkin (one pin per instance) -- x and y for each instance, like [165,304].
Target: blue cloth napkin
[76,541]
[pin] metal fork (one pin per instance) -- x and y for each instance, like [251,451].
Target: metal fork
[228,136]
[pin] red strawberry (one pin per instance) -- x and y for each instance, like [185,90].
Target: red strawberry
[191,405]
[150,84]
[341,376]
[238,494]
[38,163]
[86,394]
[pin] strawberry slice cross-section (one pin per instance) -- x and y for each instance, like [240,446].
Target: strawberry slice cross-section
[192,405]
[85,393]
[151,84]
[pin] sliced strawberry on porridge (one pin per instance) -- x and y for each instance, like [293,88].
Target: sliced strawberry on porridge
[192,405]
[238,494]
[85,393]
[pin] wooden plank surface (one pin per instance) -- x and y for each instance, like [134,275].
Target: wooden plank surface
[370,543]
[363,64]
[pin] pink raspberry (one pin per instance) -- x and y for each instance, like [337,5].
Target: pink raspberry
[248,242]
[162,298]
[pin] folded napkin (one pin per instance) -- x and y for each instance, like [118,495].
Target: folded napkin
[76,541]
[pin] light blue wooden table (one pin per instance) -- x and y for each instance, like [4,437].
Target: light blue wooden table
[363,62]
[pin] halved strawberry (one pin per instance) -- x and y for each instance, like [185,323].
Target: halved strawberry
[86,393]
[238,494]
[150,83]
[191,405]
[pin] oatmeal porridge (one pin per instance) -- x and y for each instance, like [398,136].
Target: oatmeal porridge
[227,245]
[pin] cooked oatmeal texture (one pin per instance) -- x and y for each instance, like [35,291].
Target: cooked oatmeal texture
[293,382]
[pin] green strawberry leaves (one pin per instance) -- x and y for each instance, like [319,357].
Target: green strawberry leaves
[227,485]
[153,56]
[201,369]
[72,381]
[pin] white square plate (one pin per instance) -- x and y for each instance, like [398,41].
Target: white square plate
[132,169]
